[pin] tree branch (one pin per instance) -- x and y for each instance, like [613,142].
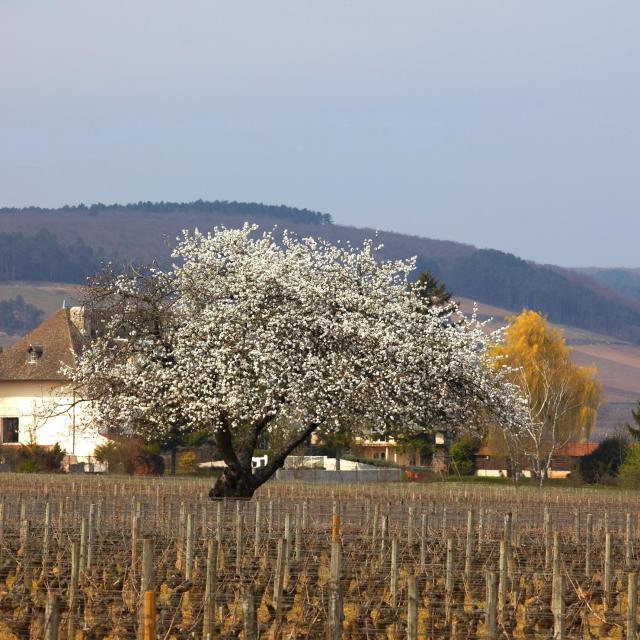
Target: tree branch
[262,474]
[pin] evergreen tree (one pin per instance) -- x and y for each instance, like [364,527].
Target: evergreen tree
[434,292]
[634,432]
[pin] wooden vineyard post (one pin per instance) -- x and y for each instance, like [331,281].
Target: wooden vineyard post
[297,554]
[383,538]
[256,532]
[628,543]
[558,607]
[147,589]
[146,580]
[394,572]
[91,536]
[469,543]
[547,539]
[632,606]
[336,559]
[335,609]
[508,539]
[480,528]
[587,545]
[287,551]
[502,587]
[210,590]
[83,545]
[73,590]
[448,584]
[46,535]
[204,517]
[146,584]
[607,570]
[1,530]
[423,540]
[25,551]
[149,616]
[412,609]
[188,548]
[250,620]
[334,623]
[135,529]
[410,528]
[238,539]
[374,523]
[278,578]
[219,523]
[51,617]
[490,619]
[576,525]
[180,538]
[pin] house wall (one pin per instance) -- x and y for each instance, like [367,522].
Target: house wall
[47,415]
[372,450]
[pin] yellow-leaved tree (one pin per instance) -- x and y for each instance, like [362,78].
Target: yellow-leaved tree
[563,397]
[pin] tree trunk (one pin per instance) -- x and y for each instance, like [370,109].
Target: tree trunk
[238,479]
[234,484]
[174,460]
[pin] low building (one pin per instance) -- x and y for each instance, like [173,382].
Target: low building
[38,405]
[391,451]
[565,461]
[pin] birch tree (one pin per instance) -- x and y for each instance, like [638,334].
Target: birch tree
[247,331]
[562,397]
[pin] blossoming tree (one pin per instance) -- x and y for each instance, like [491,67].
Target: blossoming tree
[245,332]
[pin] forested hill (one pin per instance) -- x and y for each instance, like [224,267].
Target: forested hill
[281,212]
[66,244]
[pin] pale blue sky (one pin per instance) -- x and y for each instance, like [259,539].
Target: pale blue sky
[511,125]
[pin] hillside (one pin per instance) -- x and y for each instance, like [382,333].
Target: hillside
[626,282]
[77,238]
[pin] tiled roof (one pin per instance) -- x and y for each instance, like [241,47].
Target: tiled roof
[577,449]
[571,449]
[60,342]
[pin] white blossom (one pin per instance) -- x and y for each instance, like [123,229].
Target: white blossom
[255,330]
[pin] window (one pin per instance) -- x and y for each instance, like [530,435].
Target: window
[33,353]
[378,455]
[10,430]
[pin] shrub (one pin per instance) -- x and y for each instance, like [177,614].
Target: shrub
[33,458]
[604,463]
[130,456]
[187,464]
[630,468]
[27,466]
[461,455]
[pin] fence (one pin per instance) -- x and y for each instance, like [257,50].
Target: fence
[349,476]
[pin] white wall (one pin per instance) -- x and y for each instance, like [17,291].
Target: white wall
[48,414]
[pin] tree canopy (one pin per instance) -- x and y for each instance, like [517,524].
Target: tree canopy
[563,398]
[245,333]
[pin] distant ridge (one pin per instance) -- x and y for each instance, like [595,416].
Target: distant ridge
[145,231]
[203,206]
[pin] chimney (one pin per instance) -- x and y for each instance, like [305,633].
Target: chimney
[77,317]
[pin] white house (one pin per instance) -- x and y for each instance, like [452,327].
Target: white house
[37,404]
